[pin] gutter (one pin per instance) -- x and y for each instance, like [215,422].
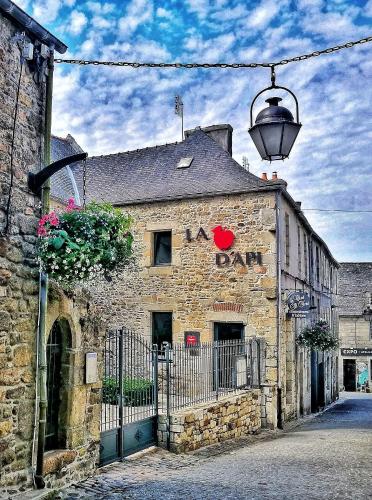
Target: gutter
[43,295]
[33,27]
[278,306]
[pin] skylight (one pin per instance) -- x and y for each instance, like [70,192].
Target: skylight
[185,162]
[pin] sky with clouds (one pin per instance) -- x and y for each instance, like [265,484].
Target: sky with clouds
[116,109]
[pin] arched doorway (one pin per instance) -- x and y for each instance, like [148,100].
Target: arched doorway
[57,350]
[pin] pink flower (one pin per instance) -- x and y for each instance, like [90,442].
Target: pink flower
[53,219]
[43,220]
[41,231]
[71,205]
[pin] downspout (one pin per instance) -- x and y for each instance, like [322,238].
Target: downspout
[278,306]
[43,291]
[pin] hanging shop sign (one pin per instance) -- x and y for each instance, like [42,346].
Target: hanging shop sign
[356,352]
[224,239]
[298,303]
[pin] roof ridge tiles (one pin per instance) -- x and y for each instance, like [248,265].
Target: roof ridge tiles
[137,150]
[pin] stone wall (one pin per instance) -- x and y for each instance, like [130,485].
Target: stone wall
[213,422]
[80,403]
[18,271]
[19,300]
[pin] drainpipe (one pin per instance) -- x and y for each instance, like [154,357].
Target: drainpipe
[43,292]
[278,305]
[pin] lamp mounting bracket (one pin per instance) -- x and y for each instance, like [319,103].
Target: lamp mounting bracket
[36,181]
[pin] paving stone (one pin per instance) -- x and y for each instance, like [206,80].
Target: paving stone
[325,457]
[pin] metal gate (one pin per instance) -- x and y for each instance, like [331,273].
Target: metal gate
[129,395]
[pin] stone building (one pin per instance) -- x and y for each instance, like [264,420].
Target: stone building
[71,331]
[217,251]
[355,325]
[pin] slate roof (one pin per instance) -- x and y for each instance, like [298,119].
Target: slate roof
[150,174]
[355,282]
[61,184]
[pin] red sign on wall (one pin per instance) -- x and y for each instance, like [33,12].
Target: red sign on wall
[223,238]
[192,339]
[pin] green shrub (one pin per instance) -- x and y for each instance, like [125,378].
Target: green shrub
[136,391]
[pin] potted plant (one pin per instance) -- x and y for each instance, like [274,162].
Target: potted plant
[78,245]
[318,337]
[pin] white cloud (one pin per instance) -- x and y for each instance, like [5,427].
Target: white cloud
[138,12]
[261,16]
[78,21]
[100,7]
[46,11]
[200,7]
[99,22]
[160,12]
[236,12]
[367,11]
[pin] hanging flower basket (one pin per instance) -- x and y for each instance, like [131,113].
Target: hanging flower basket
[78,245]
[318,337]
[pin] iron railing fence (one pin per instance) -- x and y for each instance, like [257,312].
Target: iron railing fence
[189,375]
[140,380]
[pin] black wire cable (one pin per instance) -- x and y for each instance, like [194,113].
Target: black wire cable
[9,201]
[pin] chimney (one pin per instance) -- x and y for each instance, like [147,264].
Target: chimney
[264,176]
[222,134]
[274,176]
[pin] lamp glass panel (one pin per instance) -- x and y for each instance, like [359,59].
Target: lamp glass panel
[291,131]
[256,138]
[272,136]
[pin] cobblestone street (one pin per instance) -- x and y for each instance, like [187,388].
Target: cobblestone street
[327,457]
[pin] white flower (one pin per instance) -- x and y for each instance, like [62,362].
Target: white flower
[68,250]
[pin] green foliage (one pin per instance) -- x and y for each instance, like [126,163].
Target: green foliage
[136,391]
[78,245]
[318,337]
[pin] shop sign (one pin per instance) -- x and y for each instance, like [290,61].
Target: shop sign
[192,339]
[298,303]
[224,239]
[356,352]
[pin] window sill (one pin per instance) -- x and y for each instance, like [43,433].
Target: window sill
[166,270]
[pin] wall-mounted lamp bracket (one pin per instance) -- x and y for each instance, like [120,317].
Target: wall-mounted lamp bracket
[36,181]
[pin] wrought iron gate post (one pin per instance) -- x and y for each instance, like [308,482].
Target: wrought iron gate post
[216,367]
[121,402]
[156,385]
[168,393]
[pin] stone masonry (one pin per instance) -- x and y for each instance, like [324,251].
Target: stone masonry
[80,402]
[213,422]
[18,271]
[193,284]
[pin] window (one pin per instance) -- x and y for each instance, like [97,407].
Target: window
[162,248]
[305,254]
[317,264]
[370,330]
[161,328]
[370,371]
[287,239]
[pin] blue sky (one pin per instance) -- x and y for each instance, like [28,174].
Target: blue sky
[117,109]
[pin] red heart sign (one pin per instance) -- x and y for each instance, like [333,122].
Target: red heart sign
[223,238]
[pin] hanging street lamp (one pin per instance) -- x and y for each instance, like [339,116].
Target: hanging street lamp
[275,130]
